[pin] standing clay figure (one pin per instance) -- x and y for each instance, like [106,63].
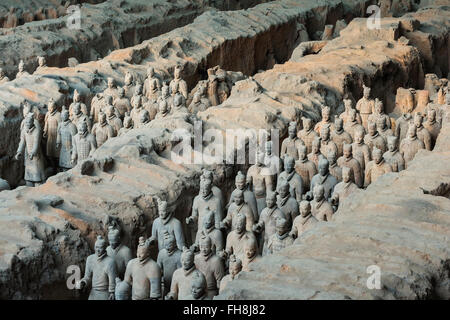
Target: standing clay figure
[326,144]
[378,113]
[163,110]
[361,151]
[205,199]
[393,156]
[208,229]
[138,95]
[382,128]
[432,126]
[102,131]
[308,135]
[422,133]
[281,239]
[78,116]
[97,103]
[315,154]
[127,125]
[211,265]
[238,206]
[266,223]
[259,182]
[352,125]
[292,177]
[11,19]
[30,148]
[83,144]
[52,120]
[113,120]
[376,168]
[151,81]
[335,169]
[304,222]
[365,106]
[305,168]
[180,288]
[143,274]
[178,81]
[128,87]
[199,288]
[410,145]
[42,64]
[235,268]
[286,202]
[321,209]
[208,174]
[166,222]
[249,197]
[66,132]
[347,160]
[165,94]
[199,102]
[323,178]
[135,113]
[402,124]
[100,272]
[21,71]
[119,252]
[326,120]
[345,116]
[250,254]
[77,99]
[374,139]
[236,239]
[169,260]
[3,77]
[111,90]
[272,162]
[291,144]
[152,90]
[340,137]
[121,103]
[343,189]
[179,105]
[213,84]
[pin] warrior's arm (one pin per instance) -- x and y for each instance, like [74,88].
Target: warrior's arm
[155,284]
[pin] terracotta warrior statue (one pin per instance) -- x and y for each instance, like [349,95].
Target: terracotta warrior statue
[78,116]
[30,149]
[321,209]
[208,229]
[3,77]
[42,64]
[401,125]
[169,260]
[305,168]
[178,81]
[102,131]
[382,128]
[165,94]
[113,120]
[323,178]
[111,90]
[121,103]
[281,239]
[235,267]
[211,265]
[119,252]
[52,120]
[77,99]
[128,86]
[180,288]
[345,116]
[199,288]
[200,101]
[307,134]
[238,206]
[287,204]
[365,106]
[100,273]
[65,133]
[266,223]
[259,182]
[21,71]
[97,104]
[143,274]
[249,196]
[83,144]
[335,169]
[422,133]
[179,105]
[236,238]
[393,157]
[432,126]
[326,120]
[304,222]
[166,222]
[272,162]
[138,95]
[378,113]
[163,110]
[127,125]
[352,125]
[326,144]
[347,160]
[315,154]
[374,139]
[292,178]
[291,144]
[205,199]
[151,81]
[376,168]
[344,188]
[251,254]
[361,151]
[339,136]
[410,145]
[208,175]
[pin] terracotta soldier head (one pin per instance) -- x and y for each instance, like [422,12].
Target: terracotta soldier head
[319,192]
[282,226]
[110,111]
[271,199]
[283,189]
[292,130]
[366,92]
[109,100]
[100,246]
[235,265]
[41,61]
[198,289]
[307,124]
[143,250]
[377,155]
[127,121]
[326,112]
[250,248]
[177,100]
[379,107]
[137,102]
[240,223]
[323,167]
[392,142]
[431,116]
[302,152]
[51,106]
[348,104]
[381,124]
[332,157]
[65,115]
[289,164]
[162,106]
[102,118]
[418,120]
[163,212]
[238,197]
[305,208]
[205,188]
[138,89]
[110,83]
[121,92]
[347,174]
[352,115]
[205,246]
[339,124]
[325,133]
[113,237]
[82,128]
[240,181]
[359,135]
[372,128]
[260,158]
[128,78]
[21,66]
[187,259]
[29,121]
[165,90]
[144,117]
[348,152]
[177,72]
[208,219]
[315,146]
